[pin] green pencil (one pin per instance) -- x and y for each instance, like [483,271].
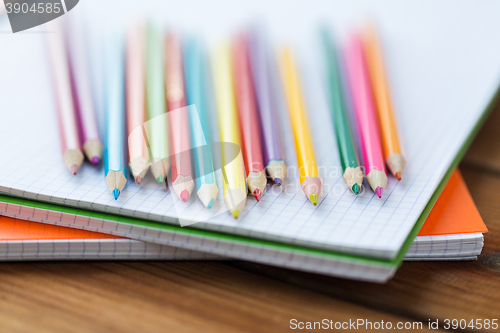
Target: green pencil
[352,173]
[156,105]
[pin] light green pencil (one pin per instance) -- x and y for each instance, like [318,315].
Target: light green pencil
[157,125]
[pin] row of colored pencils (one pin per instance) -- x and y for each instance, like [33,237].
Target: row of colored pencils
[151,83]
[368,93]
[156,95]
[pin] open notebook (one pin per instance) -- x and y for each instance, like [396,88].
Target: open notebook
[453,231]
[443,78]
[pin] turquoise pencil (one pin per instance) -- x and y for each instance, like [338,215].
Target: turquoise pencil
[206,185]
[115,165]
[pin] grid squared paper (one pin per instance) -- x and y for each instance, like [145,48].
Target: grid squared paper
[464,246]
[352,268]
[90,249]
[438,99]
[446,246]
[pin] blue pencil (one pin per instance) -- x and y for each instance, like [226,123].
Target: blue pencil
[115,165]
[206,186]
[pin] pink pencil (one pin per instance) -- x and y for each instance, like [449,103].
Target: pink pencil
[182,179]
[138,153]
[70,142]
[366,118]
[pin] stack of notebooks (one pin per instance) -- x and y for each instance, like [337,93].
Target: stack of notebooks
[453,231]
[442,92]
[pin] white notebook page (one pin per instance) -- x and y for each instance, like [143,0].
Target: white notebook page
[443,72]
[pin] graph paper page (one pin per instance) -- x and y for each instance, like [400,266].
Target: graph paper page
[443,74]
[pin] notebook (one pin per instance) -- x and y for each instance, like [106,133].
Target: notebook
[442,76]
[453,231]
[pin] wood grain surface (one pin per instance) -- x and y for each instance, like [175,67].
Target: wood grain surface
[247,297]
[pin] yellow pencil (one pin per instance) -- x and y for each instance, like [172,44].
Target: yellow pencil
[233,168]
[308,172]
[390,141]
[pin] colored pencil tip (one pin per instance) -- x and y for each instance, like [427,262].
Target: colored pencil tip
[138,180]
[210,204]
[74,169]
[314,198]
[378,190]
[236,213]
[185,195]
[160,179]
[356,188]
[257,194]
[277,181]
[95,160]
[116,193]
[398,175]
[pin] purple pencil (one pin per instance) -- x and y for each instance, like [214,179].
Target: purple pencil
[271,134]
[91,143]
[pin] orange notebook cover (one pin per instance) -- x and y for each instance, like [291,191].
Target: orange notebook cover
[454,213]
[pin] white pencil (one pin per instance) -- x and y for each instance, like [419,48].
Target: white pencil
[72,153]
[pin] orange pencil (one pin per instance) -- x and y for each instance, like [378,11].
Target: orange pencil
[249,119]
[390,141]
[182,178]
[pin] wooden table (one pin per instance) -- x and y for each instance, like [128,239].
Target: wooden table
[247,297]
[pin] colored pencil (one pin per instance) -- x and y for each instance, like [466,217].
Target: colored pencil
[249,119]
[390,141]
[85,106]
[273,149]
[115,167]
[182,178]
[365,114]
[138,152]
[70,142]
[155,99]
[194,72]
[233,169]
[308,172]
[351,170]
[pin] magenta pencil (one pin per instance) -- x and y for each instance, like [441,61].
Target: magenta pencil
[70,142]
[85,106]
[366,118]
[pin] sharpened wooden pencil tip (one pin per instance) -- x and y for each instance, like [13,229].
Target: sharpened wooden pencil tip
[314,198]
[356,188]
[74,169]
[257,194]
[210,204]
[398,175]
[236,213]
[378,191]
[184,195]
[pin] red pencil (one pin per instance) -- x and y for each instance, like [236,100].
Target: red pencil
[249,119]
